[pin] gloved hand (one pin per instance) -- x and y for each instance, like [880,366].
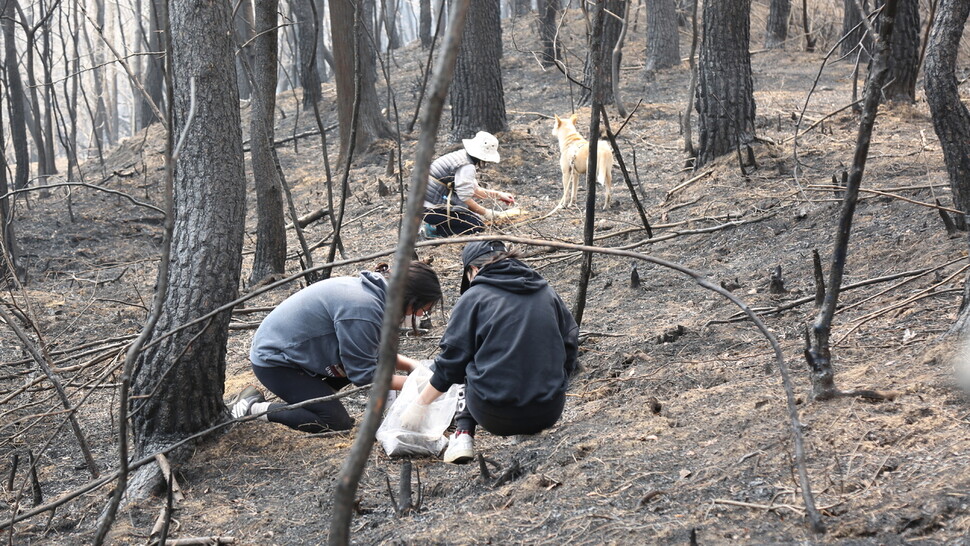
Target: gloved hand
[489,215]
[504,215]
[413,416]
[506,198]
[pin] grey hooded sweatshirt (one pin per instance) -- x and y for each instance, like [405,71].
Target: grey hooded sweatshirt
[330,328]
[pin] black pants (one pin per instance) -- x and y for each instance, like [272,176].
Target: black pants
[453,220]
[293,386]
[504,420]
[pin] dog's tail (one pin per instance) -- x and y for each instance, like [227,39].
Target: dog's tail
[604,163]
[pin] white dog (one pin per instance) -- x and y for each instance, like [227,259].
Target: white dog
[573,154]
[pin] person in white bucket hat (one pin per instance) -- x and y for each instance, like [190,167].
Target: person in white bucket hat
[450,205]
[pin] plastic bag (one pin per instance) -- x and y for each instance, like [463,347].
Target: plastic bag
[430,440]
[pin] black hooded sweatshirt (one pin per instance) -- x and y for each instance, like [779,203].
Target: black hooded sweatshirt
[511,339]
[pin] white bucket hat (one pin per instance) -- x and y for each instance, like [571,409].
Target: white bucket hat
[484,146]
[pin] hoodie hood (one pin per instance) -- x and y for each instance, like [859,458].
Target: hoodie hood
[374,283]
[510,275]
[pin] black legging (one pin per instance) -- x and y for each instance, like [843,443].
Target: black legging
[453,220]
[504,420]
[293,386]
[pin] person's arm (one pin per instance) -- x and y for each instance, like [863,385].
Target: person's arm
[503,196]
[477,209]
[406,364]
[397,382]
[414,414]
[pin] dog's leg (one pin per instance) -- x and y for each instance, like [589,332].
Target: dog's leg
[564,201]
[604,171]
[573,186]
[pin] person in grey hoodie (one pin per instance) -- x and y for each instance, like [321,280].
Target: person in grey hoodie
[323,338]
[511,341]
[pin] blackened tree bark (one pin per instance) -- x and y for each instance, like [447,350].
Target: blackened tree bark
[522,7]
[858,35]
[612,26]
[243,27]
[306,31]
[903,53]
[324,56]
[549,13]
[725,96]
[477,93]
[177,384]
[663,38]
[35,116]
[951,119]
[8,239]
[15,96]
[684,10]
[389,16]
[776,30]
[153,65]
[102,128]
[424,22]
[47,63]
[270,257]
[355,66]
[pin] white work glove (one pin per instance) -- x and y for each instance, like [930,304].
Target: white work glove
[413,416]
[504,215]
[489,215]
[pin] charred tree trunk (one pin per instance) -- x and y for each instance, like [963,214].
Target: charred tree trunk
[477,93]
[725,97]
[353,59]
[9,264]
[904,53]
[15,96]
[776,30]
[177,384]
[817,351]
[612,25]
[243,26]
[153,66]
[599,90]
[424,22]
[270,257]
[548,27]
[389,14]
[951,120]
[307,30]
[36,117]
[857,34]
[663,37]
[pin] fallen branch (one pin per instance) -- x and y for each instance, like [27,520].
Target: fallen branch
[684,184]
[937,206]
[801,301]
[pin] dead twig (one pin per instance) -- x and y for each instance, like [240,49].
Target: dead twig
[937,206]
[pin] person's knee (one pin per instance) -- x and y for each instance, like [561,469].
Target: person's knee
[345,422]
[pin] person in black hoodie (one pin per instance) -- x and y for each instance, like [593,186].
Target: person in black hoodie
[513,344]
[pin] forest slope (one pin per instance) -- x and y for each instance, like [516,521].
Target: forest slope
[672,430]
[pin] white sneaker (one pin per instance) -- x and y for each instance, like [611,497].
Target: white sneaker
[240,405]
[461,449]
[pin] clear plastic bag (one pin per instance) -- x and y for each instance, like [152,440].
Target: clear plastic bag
[430,440]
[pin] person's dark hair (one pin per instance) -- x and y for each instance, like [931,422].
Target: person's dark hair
[513,254]
[422,287]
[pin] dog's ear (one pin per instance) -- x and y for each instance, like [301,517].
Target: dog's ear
[572,119]
[558,120]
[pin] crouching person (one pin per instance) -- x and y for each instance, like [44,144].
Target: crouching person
[511,341]
[324,338]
